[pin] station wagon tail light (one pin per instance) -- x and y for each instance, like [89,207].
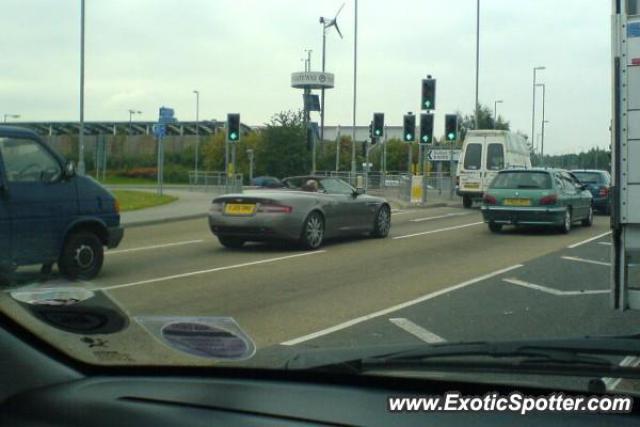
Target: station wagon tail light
[488,199]
[216,207]
[604,191]
[551,199]
[274,208]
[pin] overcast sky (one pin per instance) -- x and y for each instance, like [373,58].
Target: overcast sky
[239,54]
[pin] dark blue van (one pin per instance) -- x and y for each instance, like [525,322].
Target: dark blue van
[48,214]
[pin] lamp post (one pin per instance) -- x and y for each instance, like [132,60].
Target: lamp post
[81,166]
[533,109]
[495,112]
[542,85]
[131,113]
[355,74]
[542,142]
[197,93]
[10,116]
[477,60]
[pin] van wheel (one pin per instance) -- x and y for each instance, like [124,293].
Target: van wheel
[82,256]
[467,202]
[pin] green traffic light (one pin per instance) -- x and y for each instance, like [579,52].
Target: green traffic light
[233,136]
[408,137]
[427,103]
[378,132]
[451,136]
[425,138]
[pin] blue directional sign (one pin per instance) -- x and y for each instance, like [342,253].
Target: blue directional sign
[166,115]
[160,130]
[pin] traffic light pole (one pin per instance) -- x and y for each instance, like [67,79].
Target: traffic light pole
[338,149]
[410,159]
[384,157]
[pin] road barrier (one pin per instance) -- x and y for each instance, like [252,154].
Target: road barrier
[215,182]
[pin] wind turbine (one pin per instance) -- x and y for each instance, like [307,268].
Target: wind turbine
[326,24]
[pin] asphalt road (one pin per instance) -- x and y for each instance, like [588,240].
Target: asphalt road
[439,276]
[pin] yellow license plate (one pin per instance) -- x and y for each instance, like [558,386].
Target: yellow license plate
[239,209]
[517,202]
[472,185]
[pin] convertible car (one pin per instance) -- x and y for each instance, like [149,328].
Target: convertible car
[308,210]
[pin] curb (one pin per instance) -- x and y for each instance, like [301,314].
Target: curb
[164,220]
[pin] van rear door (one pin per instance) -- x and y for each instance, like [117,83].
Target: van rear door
[494,159]
[471,170]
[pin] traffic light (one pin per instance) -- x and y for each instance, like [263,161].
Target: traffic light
[378,124]
[428,94]
[451,127]
[233,127]
[371,130]
[409,132]
[426,128]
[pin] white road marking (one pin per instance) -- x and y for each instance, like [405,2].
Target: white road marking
[575,245]
[429,218]
[605,243]
[588,261]
[398,307]
[402,212]
[417,330]
[212,270]
[553,291]
[145,248]
[612,383]
[440,230]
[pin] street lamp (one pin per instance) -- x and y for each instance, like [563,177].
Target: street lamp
[131,113]
[533,111]
[197,93]
[11,116]
[477,61]
[495,112]
[542,85]
[250,155]
[81,165]
[542,142]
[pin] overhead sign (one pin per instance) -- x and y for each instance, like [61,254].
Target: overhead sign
[312,80]
[443,155]
[166,115]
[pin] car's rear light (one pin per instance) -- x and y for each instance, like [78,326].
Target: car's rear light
[274,208]
[604,191]
[551,199]
[488,199]
[216,207]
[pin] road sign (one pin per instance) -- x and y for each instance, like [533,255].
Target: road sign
[159,130]
[166,115]
[443,155]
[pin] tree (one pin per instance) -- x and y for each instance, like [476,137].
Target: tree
[485,121]
[283,150]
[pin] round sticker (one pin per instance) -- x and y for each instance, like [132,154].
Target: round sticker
[205,340]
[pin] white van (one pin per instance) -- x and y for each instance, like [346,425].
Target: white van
[484,153]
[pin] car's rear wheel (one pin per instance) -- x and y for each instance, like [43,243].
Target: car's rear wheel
[82,256]
[566,222]
[467,202]
[312,231]
[383,222]
[231,242]
[588,221]
[495,228]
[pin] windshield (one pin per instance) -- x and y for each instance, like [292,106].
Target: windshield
[234,183]
[523,180]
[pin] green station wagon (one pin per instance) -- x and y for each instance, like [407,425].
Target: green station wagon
[548,197]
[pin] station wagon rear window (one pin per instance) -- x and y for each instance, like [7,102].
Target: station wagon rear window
[589,177]
[522,180]
[473,157]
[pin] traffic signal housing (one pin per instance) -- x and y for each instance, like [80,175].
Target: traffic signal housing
[409,128]
[378,125]
[426,128]
[451,127]
[428,94]
[233,127]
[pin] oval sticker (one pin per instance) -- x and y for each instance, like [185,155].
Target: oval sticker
[205,340]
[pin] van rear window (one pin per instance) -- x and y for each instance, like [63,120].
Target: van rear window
[473,157]
[495,157]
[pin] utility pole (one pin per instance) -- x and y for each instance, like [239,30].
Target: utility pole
[81,165]
[197,93]
[355,76]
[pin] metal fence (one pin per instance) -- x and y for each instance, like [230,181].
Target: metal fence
[215,182]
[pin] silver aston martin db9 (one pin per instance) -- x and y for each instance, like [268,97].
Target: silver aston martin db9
[307,210]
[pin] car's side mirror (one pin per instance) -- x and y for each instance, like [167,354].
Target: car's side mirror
[69,169]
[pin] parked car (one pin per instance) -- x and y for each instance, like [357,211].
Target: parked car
[483,154]
[536,197]
[599,183]
[308,210]
[266,182]
[50,214]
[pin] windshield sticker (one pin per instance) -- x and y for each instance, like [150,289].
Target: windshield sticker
[211,337]
[52,296]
